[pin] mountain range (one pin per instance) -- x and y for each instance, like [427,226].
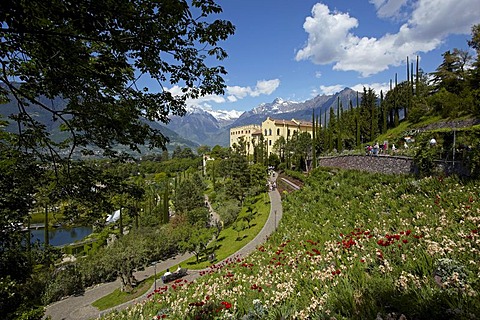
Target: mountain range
[212,127]
[208,127]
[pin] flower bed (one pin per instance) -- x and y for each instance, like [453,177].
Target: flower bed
[350,245]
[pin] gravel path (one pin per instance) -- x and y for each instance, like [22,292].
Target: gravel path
[80,307]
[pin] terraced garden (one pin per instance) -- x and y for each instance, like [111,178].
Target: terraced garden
[350,245]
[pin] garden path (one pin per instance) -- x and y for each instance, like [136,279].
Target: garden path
[80,307]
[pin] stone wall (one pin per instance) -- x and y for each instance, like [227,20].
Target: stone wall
[380,164]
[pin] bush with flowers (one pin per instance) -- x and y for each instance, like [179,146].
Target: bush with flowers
[350,245]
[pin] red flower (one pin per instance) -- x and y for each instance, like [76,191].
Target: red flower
[405,241]
[226,304]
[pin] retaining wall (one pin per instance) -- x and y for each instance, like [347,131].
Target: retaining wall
[379,164]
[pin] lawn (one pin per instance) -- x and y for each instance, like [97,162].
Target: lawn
[226,245]
[230,241]
[118,297]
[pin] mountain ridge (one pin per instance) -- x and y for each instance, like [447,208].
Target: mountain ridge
[202,127]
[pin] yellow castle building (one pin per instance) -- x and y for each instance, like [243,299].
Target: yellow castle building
[271,129]
[250,134]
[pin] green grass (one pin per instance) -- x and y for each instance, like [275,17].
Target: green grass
[118,297]
[39,217]
[229,241]
[226,245]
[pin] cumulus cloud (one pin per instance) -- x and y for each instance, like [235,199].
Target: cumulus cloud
[389,8]
[326,30]
[329,90]
[201,101]
[233,93]
[331,38]
[239,92]
[375,86]
[266,87]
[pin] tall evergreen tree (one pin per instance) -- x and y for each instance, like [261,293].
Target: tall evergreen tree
[314,140]
[396,117]
[384,112]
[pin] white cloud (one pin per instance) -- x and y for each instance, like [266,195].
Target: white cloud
[232,98]
[325,32]
[201,101]
[375,86]
[239,92]
[330,37]
[266,87]
[328,90]
[318,74]
[233,93]
[389,8]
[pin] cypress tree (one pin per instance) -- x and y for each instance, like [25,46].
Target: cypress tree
[166,216]
[408,70]
[314,144]
[383,109]
[331,129]
[339,125]
[416,79]
[396,119]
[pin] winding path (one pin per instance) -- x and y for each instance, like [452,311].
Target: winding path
[80,307]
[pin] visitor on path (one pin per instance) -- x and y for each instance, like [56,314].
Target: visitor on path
[167,273]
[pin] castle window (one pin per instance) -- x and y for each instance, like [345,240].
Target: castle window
[278,132]
[269,132]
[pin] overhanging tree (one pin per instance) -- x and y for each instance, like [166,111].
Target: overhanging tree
[81,65]
[94,55]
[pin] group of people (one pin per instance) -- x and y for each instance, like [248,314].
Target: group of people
[376,149]
[272,185]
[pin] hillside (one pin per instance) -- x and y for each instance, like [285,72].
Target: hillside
[53,125]
[350,245]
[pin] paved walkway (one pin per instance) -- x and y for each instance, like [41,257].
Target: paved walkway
[80,307]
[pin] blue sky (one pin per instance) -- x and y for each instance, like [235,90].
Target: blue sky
[298,49]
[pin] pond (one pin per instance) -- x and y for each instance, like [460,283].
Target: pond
[62,235]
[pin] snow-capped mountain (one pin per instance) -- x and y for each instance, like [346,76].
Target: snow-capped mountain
[224,117]
[211,127]
[277,106]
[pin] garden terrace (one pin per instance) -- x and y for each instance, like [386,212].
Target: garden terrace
[350,245]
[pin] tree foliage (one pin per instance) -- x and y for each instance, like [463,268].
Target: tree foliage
[71,83]
[94,56]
